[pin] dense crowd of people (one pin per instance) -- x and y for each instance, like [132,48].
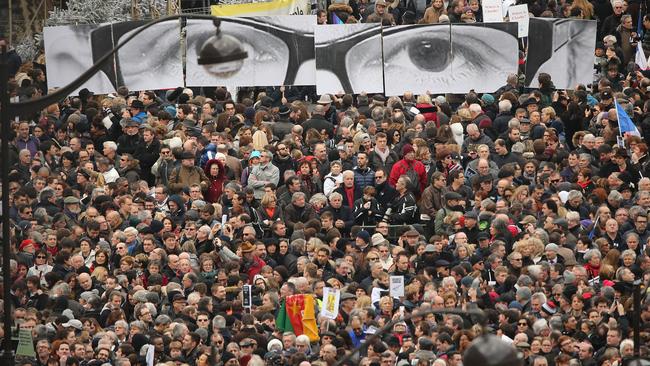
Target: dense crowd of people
[139,216]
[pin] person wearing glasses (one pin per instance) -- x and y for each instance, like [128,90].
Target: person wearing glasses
[41,266]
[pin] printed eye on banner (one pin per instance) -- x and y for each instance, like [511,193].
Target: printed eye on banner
[348,58]
[278,53]
[447,58]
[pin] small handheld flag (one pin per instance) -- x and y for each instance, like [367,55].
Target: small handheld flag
[336,19]
[625,123]
[640,59]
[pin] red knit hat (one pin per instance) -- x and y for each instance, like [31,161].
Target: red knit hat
[27,242]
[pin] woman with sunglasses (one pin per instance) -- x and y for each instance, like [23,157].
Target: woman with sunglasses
[41,266]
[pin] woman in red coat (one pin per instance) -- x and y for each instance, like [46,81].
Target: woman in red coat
[217,175]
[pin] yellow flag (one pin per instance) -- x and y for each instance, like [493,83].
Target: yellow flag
[309,327]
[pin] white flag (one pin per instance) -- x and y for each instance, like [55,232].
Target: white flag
[331,298]
[640,58]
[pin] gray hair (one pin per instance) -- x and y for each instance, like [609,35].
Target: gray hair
[592,253]
[585,156]
[540,325]
[524,293]
[296,196]
[629,252]
[110,145]
[318,197]
[615,196]
[179,330]
[123,323]
[539,296]
[505,105]
[542,235]
[335,195]
[573,194]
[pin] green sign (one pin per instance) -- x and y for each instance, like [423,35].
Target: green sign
[25,343]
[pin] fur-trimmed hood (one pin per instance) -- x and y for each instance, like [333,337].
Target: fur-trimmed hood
[340,8]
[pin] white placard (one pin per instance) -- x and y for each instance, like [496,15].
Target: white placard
[397,286]
[519,14]
[331,297]
[150,355]
[505,5]
[492,11]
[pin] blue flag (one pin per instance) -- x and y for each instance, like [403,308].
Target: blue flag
[625,124]
[639,24]
[336,19]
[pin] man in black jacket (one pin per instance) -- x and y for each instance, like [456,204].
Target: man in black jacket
[404,211]
[147,152]
[318,122]
[386,194]
[128,142]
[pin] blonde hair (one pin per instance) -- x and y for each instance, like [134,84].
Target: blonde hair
[550,111]
[260,140]
[363,302]
[423,99]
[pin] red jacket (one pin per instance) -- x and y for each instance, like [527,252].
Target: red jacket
[429,111]
[255,268]
[401,167]
[215,188]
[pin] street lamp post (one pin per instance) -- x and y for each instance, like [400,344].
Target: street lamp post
[222,50]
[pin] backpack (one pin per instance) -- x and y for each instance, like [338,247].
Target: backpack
[414,185]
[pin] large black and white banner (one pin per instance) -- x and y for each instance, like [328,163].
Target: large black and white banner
[562,48]
[280,51]
[151,60]
[443,58]
[417,58]
[69,52]
[349,58]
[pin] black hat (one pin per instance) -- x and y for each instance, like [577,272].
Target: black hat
[187,155]
[131,123]
[227,356]
[266,102]
[483,236]
[136,103]
[284,111]
[529,101]
[442,263]
[178,297]
[85,93]
[378,98]
[475,259]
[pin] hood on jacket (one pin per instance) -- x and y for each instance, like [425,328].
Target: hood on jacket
[345,8]
[222,170]
[179,202]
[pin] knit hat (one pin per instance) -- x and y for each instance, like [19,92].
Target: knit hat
[485,123]
[407,149]
[27,242]
[364,235]
[487,99]
[549,308]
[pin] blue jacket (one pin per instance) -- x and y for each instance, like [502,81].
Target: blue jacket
[363,178]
